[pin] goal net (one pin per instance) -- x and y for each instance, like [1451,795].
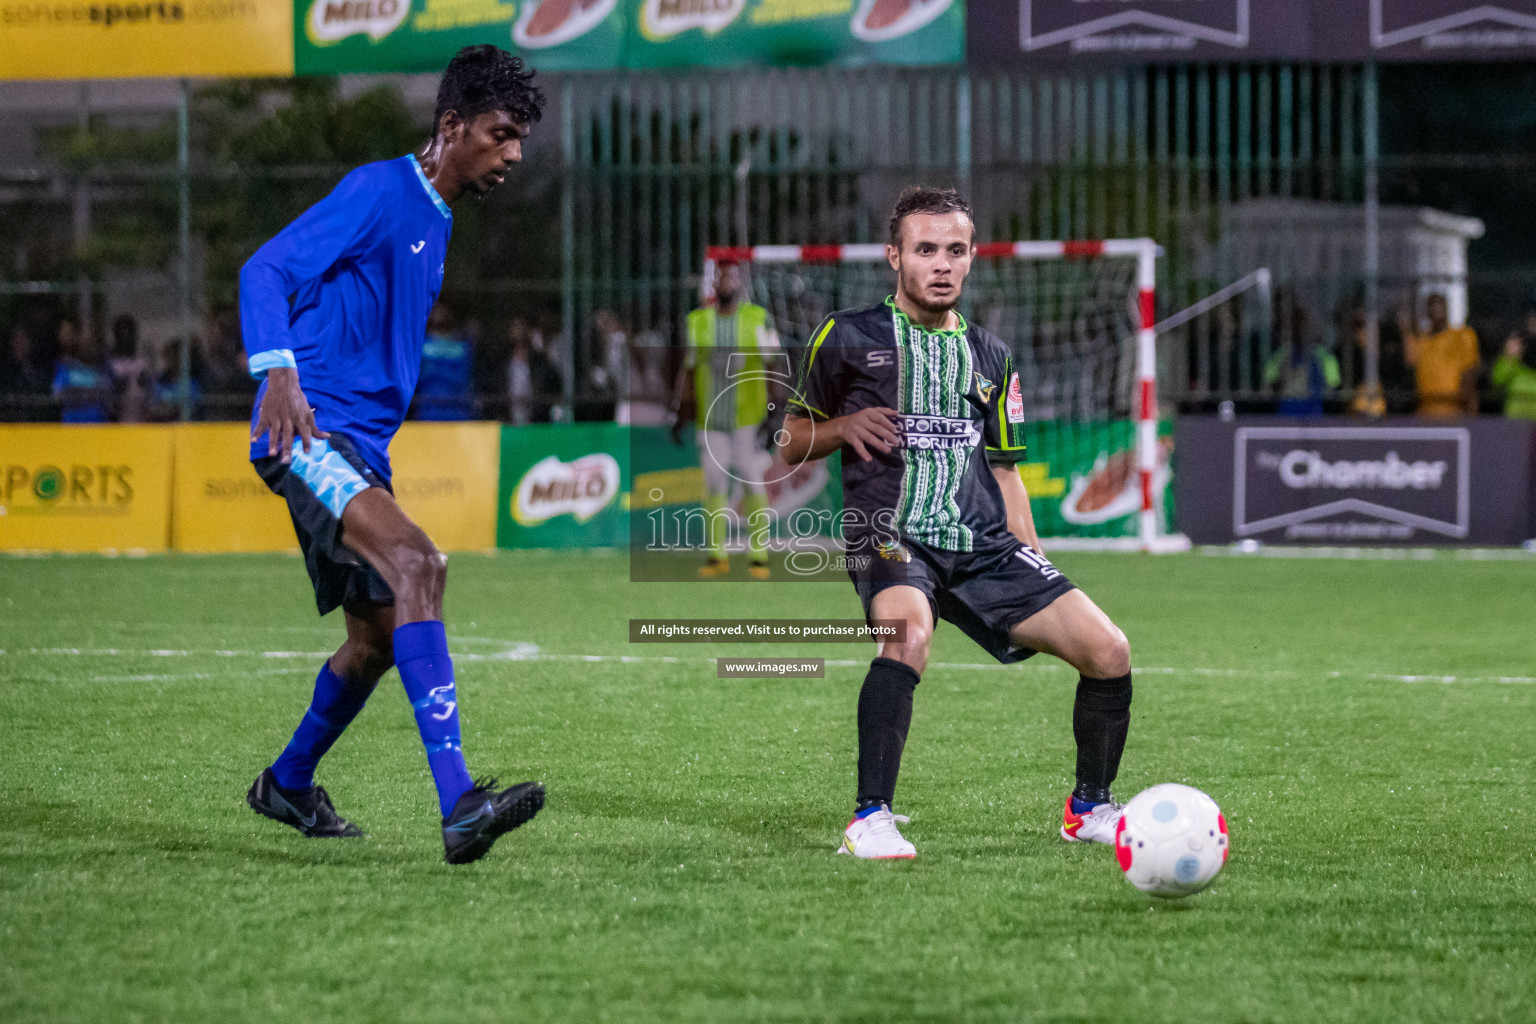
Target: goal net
[1077,317]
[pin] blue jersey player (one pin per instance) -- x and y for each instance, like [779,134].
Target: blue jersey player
[334,311]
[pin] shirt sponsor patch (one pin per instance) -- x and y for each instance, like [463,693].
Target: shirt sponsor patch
[1015,408]
[938,432]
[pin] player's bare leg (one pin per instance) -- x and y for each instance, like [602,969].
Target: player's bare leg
[1078,632]
[369,650]
[376,527]
[885,714]
[474,815]
[911,606]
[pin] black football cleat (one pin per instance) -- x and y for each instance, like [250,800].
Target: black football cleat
[308,810]
[482,815]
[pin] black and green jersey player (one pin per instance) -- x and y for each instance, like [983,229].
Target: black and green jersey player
[928,414]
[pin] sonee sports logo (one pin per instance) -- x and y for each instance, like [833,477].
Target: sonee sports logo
[76,488]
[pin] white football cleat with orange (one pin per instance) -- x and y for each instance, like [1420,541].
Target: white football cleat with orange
[1095,826]
[874,837]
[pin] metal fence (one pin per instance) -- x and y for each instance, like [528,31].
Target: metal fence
[602,233]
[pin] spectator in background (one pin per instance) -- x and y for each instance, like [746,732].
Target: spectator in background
[23,379]
[1445,362]
[1302,375]
[170,387]
[534,384]
[1514,375]
[219,367]
[645,404]
[132,385]
[445,390]
[1302,370]
[1396,395]
[608,379]
[81,384]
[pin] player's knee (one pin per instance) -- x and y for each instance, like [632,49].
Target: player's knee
[912,649]
[1111,656]
[420,569]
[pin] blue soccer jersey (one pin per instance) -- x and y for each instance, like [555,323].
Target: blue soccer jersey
[343,294]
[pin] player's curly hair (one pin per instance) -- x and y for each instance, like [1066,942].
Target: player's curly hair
[925,199]
[480,79]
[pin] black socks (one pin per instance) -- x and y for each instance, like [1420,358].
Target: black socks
[885,714]
[1100,718]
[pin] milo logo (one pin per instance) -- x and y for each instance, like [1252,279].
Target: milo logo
[330,21]
[662,19]
[552,22]
[581,488]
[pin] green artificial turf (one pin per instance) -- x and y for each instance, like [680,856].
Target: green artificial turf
[1383,860]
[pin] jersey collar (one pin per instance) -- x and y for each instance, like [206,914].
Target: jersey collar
[890,300]
[437,200]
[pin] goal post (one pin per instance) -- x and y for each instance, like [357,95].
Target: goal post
[1079,318]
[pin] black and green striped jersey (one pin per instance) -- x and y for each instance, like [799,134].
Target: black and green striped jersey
[961,412]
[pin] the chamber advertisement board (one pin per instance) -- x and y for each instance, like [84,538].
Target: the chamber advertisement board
[1348,482]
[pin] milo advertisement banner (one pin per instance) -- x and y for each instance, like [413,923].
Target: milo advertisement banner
[725,33]
[564,486]
[337,36]
[1082,479]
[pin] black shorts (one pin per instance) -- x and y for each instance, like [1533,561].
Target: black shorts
[317,488]
[986,593]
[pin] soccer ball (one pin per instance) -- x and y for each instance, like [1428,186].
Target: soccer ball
[1171,840]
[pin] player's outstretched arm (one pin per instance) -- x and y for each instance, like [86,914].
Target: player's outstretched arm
[863,431]
[1021,521]
[285,414]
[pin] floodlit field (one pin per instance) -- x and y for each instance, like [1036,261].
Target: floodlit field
[1383,864]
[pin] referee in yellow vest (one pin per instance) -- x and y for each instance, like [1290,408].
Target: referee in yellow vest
[724,358]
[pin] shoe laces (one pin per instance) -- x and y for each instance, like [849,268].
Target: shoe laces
[1112,808]
[883,823]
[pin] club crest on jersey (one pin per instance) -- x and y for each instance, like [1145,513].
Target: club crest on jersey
[1015,405]
[894,551]
[984,388]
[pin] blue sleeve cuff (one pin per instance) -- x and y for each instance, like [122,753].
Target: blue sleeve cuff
[261,362]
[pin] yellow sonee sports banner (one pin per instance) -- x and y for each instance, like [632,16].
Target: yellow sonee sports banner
[221,504]
[444,478]
[191,487]
[145,38]
[85,488]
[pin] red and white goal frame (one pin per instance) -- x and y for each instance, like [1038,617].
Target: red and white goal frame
[1143,250]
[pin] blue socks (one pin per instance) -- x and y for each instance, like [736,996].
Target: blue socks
[1081,806]
[331,710]
[421,655]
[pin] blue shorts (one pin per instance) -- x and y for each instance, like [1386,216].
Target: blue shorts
[318,487]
